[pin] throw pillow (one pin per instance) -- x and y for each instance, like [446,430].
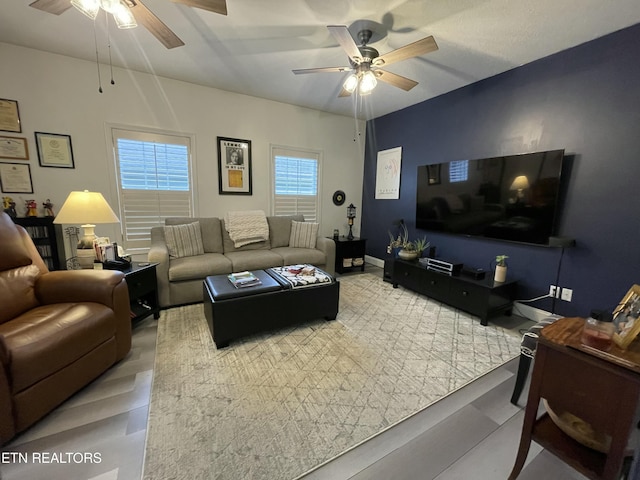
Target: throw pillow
[303,234]
[184,240]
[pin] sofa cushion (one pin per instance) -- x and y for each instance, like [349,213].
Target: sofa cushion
[291,256]
[303,234]
[253,260]
[280,229]
[196,268]
[48,338]
[14,252]
[17,291]
[184,240]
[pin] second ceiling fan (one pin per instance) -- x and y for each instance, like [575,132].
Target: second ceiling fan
[366,62]
[140,12]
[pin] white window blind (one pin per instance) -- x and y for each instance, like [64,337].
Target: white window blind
[154,182]
[458,171]
[295,183]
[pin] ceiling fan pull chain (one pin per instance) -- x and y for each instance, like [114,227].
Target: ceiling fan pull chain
[95,42]
[109,48]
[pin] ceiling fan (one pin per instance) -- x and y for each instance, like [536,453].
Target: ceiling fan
[366,62]
[140,12]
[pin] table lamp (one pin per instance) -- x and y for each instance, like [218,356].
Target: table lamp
[86,208]
[520,183]
[351,214]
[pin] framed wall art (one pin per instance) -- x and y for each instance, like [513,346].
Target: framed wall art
[626,318]
[15,148]
[388,174]
[15,178]
[9,116]
[234,166]
[54,150]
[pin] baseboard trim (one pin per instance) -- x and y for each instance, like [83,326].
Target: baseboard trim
[374,261]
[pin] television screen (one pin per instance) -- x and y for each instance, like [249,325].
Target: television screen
[511,198]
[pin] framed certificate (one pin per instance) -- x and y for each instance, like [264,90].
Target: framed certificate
[15,178]
[9,116]
[54,150]
[14,147]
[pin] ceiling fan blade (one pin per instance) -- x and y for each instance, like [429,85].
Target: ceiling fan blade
[215,6]
[321,70]
[344,38]
[52,6]
[396,80]
[147,18]
[414,49]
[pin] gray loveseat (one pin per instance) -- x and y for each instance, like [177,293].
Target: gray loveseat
[180,279]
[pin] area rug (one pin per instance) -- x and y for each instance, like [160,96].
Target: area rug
[275,406]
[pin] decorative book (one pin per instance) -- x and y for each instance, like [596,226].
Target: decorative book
[243,279]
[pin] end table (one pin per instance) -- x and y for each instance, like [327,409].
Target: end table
[349,253]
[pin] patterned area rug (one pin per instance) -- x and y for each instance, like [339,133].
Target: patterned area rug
[275,406]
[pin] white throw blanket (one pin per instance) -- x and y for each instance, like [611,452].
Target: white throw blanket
[248,226]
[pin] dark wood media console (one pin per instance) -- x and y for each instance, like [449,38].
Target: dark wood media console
[483,298]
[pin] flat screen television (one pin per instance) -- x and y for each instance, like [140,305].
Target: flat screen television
[514,197]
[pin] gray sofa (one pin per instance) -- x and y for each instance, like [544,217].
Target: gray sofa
[180,279]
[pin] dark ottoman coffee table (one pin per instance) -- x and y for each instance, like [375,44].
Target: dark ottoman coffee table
[233,313]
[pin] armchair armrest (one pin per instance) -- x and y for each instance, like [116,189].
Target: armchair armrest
[78,286]
[7,424]
[107,287]
[328,247]
[159,253]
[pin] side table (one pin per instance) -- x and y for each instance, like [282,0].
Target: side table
[600,388]
[143,290]
[352,250]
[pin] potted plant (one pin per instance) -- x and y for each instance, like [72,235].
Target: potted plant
[421,245]
[399,242]
[501,268]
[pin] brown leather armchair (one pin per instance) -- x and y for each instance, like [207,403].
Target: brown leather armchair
[58,330]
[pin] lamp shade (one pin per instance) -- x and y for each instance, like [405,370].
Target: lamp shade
[86,207]
[520,183]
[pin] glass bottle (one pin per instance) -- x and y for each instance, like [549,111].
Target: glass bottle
[598,331]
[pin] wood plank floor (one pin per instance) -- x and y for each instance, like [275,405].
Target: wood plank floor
[472,433]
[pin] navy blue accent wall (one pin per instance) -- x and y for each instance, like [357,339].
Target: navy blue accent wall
[585,100]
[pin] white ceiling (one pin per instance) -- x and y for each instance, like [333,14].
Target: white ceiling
[253,49]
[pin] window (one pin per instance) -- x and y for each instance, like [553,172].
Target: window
[154,182]
[295,183]
[458,171]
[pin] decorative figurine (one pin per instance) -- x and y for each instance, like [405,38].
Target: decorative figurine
[9,207]
[32,208]
[48,209]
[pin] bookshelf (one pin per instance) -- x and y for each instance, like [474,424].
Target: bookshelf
[47,238]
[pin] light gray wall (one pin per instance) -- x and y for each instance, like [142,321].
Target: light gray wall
[58,94]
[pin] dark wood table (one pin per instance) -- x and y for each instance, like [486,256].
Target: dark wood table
[603,389]
[352,251]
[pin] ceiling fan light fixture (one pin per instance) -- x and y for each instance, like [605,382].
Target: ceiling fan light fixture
[124,18]
[351,83]
[110,6]
[89,8]
[367,83]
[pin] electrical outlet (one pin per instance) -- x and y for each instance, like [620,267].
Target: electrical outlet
[553,291]
[567,294]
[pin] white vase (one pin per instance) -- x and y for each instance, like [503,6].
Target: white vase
[501,273]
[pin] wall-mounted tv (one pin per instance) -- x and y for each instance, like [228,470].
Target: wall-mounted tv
[514,197]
